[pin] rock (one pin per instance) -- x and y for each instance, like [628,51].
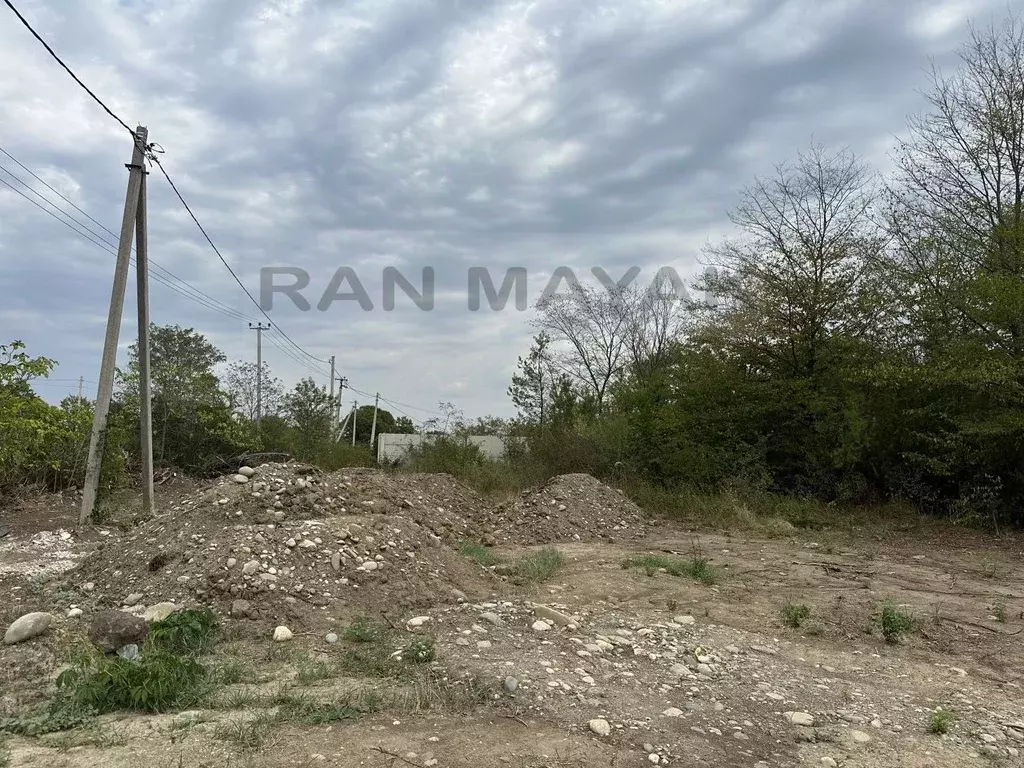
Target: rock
[159,612]
[653,758]
[492,618]
[511,684]
[111,630]
[600,727]
[246,471]
[685,620]
[133,598]
[28,626]
[369,565]
[551,614]
[799,718]
[673,712]
[336,561]
[240,479]
[282,634]
[240,608]
[331,638]
[540,626]
[860,737]
[459,595]
[417,621]
[74,613]
[829,762]
[129,652]
[251,567]
[307,544]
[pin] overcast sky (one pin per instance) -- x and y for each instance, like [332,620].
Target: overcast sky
[409,133]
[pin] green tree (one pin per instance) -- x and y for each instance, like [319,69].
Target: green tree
[531,385]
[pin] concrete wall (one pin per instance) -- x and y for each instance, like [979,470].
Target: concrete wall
[393,448]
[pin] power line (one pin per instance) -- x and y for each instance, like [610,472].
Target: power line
[91,237]
[162,170]
[228,266]
[66,67]
[156,266]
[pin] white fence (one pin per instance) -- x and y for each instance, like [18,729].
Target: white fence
[394,448]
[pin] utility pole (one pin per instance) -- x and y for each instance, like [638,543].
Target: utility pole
[81,382]
[333,420]
[342,383]
[355,413]
[105,390]
[145,396]
[259,328]
[373,427]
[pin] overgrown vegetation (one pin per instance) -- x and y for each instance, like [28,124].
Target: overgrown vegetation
[483,556]
[893,623]
[697,568]
[795,614]
[941,721]
[539,566]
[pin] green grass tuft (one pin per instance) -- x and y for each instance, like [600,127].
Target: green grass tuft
[795,614]
[893,622]
[362,630]
[483,556]
[698,568]
[540,565]
[941,721]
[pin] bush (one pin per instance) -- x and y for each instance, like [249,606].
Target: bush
[795,614]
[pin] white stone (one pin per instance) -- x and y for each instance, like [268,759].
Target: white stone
[799,718]
[673,712]
[74,613]
[246,471]
[240,479]
[282,634]
[28,626]
[331,638]
[860,737]
[159,612]
[684,620]
[418,621]
[541,626]
[600,727]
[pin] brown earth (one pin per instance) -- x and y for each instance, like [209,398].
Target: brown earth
[692,673]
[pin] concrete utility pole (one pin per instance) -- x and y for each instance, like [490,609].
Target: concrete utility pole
[342,383]
[355,413]
[333,419]
[81,383]
[259,328]
[373,427]
[105,390]
[145,397]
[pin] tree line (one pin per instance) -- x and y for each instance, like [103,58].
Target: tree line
[866,336]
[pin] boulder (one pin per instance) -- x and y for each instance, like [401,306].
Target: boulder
[28,626]
[111,630]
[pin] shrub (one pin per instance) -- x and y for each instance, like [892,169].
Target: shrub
[795,614]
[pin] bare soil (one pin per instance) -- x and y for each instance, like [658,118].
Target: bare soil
[684,672]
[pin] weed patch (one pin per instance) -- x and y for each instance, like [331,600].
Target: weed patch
[795,614]
[186,633]
[697,568]
[313,670]
[483,556]
[362,630]
[248,735]
[941,721]
[893,622]
[540,565]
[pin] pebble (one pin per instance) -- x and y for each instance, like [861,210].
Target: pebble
[240,479]
[685,620]
[673,712]
[600,727]
[829,762]
[246,471]
[418,621]
[511,684]
[540,626]
[74,613]
[282,634]
[132,599]
[331,638]
[860,737]
[26,627]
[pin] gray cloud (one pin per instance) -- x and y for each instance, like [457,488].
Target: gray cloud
[450,134]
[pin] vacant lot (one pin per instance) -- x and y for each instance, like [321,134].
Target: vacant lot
[636,646]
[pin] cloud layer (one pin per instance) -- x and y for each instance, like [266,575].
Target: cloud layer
[405,133]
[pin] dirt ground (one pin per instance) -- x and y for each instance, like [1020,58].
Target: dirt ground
[683,672]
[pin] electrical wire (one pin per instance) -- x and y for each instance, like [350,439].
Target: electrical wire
[153,264]
[66,67]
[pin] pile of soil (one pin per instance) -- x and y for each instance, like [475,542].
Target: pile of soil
[294,544]
[576,507]
[278,492]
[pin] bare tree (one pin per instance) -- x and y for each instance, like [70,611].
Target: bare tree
[656,321]
[957,205]
[801,272]
[240,385]
[592,328]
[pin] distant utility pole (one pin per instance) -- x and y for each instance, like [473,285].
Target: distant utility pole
[81,382]
[259,328]
[333,421]
[332,378]
[373,427]
[355,414]
[342,383]
[130,221]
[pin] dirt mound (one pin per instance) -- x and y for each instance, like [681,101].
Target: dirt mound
[278,492]
[290,542]
[576,507]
